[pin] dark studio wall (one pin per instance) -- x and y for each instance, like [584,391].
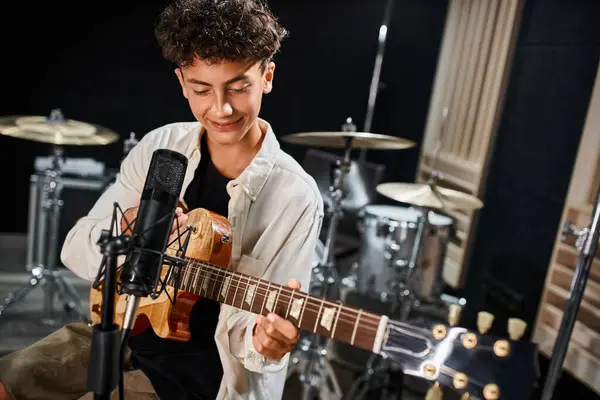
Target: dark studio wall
[102,65]
[555,65]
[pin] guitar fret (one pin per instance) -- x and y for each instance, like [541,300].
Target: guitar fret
[355,327]
[254,291]
[235,292]
[205,281]
[302,312]
[225,288]
[337,318]
[217,284]
[245,292]
[276,307]
[265,297]
[197,277]
[319,315]
[290,301]
[185,278]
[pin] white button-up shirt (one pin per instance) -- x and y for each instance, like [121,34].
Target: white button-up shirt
[275,212]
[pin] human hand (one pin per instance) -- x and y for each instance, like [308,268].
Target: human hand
[181,220]
[273,335]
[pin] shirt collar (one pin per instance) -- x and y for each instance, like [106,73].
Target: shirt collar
[254,177]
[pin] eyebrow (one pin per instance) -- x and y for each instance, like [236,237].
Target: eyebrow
[242,77]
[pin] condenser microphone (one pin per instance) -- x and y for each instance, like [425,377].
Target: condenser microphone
[152,228]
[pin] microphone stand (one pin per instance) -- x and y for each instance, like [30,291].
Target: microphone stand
[107,350]
[104,367]
[587,242]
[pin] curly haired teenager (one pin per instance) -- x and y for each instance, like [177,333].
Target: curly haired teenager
[222,51]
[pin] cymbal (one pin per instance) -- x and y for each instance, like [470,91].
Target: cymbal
[360,140]
[431,196]
[59,132]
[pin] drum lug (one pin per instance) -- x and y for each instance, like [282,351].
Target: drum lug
[383,227]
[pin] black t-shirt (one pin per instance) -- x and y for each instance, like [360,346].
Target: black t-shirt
[189,370]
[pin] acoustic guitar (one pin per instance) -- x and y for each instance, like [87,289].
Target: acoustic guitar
[471,363]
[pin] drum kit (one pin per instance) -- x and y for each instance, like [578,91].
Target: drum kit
[45,204]
[401,256]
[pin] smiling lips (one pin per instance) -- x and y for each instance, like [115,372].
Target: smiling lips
[226,125]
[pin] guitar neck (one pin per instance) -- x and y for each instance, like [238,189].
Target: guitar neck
[312,313]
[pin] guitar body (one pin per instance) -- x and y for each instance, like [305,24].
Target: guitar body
[210,241]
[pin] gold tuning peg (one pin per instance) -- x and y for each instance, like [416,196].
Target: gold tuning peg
[454,314]
[434,392]
[484,321]
[516,328]
[465,396]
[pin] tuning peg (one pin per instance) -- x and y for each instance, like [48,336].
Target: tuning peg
[484,321]
[434,392]
[454,314]
[465,396]
[516,328]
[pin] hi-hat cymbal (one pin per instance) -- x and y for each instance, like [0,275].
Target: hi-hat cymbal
[359,140]
[56,131]
[430,196]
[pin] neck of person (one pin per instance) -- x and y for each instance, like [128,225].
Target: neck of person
[232,159]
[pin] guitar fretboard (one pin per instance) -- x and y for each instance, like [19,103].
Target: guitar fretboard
[316,314]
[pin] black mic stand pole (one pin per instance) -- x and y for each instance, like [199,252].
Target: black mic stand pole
[104,366]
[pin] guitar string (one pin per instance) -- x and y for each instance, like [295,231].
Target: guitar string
[346,311]
[262,294]
[289,294]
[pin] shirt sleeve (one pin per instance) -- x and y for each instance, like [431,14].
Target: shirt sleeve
[296,254]
[80,251]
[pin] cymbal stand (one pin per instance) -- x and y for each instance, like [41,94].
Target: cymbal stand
[587,243]
[316,373]
[44,209]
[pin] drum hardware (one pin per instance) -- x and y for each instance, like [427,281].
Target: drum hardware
[129,144]
[45,204]
[586,243]
[402,302]
[375,84]
[402,248]
[316,373]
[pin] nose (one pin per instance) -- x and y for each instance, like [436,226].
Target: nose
[221,107]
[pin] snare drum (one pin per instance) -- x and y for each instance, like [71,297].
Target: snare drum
[388,238]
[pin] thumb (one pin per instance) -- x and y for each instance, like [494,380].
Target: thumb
[294,284]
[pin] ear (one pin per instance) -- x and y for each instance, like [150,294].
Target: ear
[179,74]
[268,77]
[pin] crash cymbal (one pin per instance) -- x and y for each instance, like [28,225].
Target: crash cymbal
[359,140]
[56,130]
[430,196]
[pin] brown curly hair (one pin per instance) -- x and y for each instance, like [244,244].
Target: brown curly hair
[215,30]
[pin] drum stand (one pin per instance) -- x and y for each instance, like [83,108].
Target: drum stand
[315,371]
[44,211]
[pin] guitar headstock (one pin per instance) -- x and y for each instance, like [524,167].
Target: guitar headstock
[473,364]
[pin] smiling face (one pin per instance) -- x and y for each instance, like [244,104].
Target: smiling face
[226,97]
